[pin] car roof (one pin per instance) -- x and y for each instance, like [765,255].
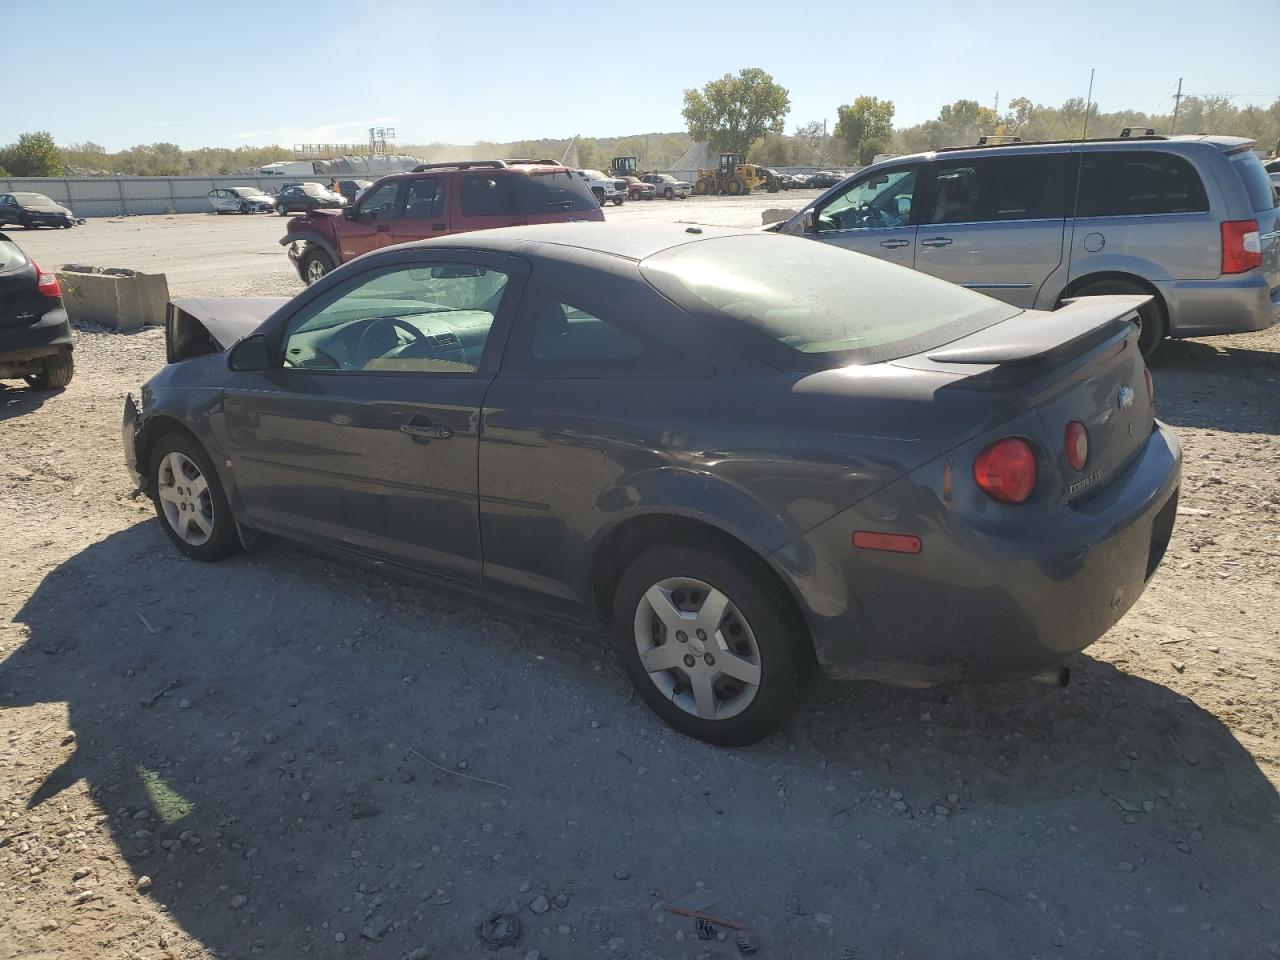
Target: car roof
[629,241]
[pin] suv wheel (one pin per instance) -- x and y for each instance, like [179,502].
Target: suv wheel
[710,646]
[55,373]
[189,499]
[1152,322]
[315,264]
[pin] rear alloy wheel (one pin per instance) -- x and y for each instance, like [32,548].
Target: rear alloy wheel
[315,265]
[189,500]
[711,647]
[55,373]
[1152,323]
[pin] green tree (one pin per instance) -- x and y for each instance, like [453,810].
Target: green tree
[865,127]
[732,113]
[774,150]
[34,155]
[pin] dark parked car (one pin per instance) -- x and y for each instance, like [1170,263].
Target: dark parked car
[307,198]
[31,210]
[688,434]
[823,179]
[35,338]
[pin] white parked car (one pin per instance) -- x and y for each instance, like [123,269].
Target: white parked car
[241,200]
[606,189]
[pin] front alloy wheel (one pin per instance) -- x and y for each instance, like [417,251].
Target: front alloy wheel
[183,495]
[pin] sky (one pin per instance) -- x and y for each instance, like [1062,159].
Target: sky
[233,73]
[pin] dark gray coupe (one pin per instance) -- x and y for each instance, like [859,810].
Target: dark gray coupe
[747,453]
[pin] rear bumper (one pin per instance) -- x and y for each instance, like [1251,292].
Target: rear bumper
[48,335]
[976,607]
[1202,308]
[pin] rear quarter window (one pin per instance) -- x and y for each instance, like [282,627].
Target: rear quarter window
[1138,182]
[517,194]
[1261,191]
[11,257]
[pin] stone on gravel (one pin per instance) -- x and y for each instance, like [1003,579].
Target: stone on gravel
[238,901]
[622,873]
[1125,866]
[144,883]
[539,904]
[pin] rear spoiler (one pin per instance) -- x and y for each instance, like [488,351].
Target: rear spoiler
[1033,335]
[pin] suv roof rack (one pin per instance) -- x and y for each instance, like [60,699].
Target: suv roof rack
[535,163]
[1129,133]
[459,165]
[996,140]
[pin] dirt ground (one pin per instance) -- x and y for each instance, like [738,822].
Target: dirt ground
[283,756]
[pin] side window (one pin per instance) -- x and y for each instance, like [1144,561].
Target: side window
[882,200]
[423,199]
[553,337]
[485,195]
[380,201]
[992,189]
[420,319]
[1134,183]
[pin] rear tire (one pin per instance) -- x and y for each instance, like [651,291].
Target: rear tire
[182,475]
[756,618]
[617,201]
[669,194]
[55,374]
[734,187]
[1153,323]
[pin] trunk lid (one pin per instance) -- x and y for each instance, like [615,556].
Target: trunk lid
[1080,363]
[21,304]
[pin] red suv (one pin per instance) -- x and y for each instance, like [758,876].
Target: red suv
[434,200]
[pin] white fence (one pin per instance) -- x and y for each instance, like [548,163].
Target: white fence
[130,196]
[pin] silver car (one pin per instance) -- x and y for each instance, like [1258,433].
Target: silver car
[1193,222]
[241,200]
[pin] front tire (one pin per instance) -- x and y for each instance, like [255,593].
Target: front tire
[617,201]
[713,647]
[1153,324]
[55,373]
[244,207]
[189,499]
[315,265]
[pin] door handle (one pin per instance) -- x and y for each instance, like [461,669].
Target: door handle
[420,427]
[384,228]
[894,244]
[936,242]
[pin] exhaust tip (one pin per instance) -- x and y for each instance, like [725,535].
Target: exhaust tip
[1057,677]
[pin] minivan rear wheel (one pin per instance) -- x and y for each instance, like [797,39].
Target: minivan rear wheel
[1152,322]
[712,646]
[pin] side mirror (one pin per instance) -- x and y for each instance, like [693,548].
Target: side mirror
[348,212]
[249,353]
[810,221]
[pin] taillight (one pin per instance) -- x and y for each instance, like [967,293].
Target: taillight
[47,283]
[1241,246]
[1075,442]
[1151,385]
[1006,470]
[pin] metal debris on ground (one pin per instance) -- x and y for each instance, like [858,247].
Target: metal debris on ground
[745,946]
[500,930]
[706,929]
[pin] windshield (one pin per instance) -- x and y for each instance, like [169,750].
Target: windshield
[594,175]
[314,189]
[35,200]
[247,192]
[803,305]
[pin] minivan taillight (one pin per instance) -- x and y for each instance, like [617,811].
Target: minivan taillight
[47,283]
[1241,246]
[1006,470]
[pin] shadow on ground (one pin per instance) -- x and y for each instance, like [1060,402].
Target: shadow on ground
[17,399]
[1204,384]
[271,719]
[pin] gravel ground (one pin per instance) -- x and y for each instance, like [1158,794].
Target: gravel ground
[281,755]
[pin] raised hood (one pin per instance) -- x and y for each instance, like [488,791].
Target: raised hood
[212,324]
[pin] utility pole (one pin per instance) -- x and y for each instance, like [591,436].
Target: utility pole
[1177,102]
[996,108]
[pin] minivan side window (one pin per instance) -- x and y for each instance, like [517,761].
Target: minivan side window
[1126,183]
[881,200]
[993,189]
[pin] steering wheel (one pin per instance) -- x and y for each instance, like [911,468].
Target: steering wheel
[869,216]
[380,324]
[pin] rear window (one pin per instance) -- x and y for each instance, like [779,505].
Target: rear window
[801,305]
[508,194]
[1262,192]
[1136,183]
[10,256]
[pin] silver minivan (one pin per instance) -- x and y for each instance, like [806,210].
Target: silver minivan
[1193,221]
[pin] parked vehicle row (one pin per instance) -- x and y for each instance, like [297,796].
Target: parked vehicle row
[1190,223]
[35,338]
[241,200]
[31,210]
[665,430]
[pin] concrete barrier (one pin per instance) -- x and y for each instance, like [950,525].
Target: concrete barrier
[774,214]
[113,296]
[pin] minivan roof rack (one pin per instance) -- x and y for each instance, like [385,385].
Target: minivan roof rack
[982,143]
[1128,132]
[460,165]
[535,163]
[997,139]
